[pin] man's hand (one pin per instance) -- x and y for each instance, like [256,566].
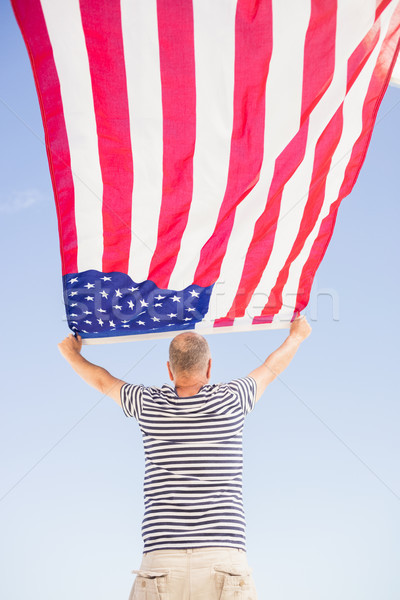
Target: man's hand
[94,375]
[280,359]
[300,328]
[70,345]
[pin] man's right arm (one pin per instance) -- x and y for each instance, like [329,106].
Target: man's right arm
[281,358]
[94,375]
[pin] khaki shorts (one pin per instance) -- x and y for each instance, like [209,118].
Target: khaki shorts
[194,574]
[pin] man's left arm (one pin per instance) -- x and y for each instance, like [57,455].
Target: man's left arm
[94,375]
[281,358]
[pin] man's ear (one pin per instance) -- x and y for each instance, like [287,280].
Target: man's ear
[171,376]
[209,369]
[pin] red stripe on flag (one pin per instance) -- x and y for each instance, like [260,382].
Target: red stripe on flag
[253,48]
[375,93]
[102,27]
[325,148]
[177,65]
[224,322]
[319,55]
[33,27]
[261,245]
[316,255]
[381,5]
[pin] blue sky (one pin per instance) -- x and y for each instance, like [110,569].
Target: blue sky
[322,483]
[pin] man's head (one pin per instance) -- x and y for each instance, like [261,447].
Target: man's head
[189,357]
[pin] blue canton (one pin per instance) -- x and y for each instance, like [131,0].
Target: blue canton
[111,304]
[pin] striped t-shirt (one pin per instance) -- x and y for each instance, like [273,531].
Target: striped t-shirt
[194,462]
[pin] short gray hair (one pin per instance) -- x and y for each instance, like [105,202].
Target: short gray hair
[188,353]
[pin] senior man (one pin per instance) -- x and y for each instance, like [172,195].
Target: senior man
[194,526]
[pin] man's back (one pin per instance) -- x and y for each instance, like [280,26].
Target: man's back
[194,462]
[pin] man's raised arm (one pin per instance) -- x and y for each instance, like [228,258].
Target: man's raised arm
[94,375]
[280,359]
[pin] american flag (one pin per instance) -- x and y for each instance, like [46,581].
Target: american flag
[199,151]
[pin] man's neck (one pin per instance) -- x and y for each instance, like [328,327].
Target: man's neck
[184,389]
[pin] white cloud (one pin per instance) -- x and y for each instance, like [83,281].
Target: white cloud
[19,200]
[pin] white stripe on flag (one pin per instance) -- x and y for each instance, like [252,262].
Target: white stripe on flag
[142,62]
[352,127]
[76,92]
[215,63]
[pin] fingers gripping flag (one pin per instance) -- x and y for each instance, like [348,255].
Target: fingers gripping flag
[199,151]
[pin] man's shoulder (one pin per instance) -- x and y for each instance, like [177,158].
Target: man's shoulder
[234,387]
[154,391]
[245,390]
[239,383]
[148,390]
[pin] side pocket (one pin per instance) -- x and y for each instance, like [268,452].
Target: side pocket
[150,584]
[234,583]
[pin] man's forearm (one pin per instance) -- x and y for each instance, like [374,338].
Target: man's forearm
[94,375]
[282,356]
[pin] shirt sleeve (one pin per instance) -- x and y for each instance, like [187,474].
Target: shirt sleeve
[132,399]
[246,391]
